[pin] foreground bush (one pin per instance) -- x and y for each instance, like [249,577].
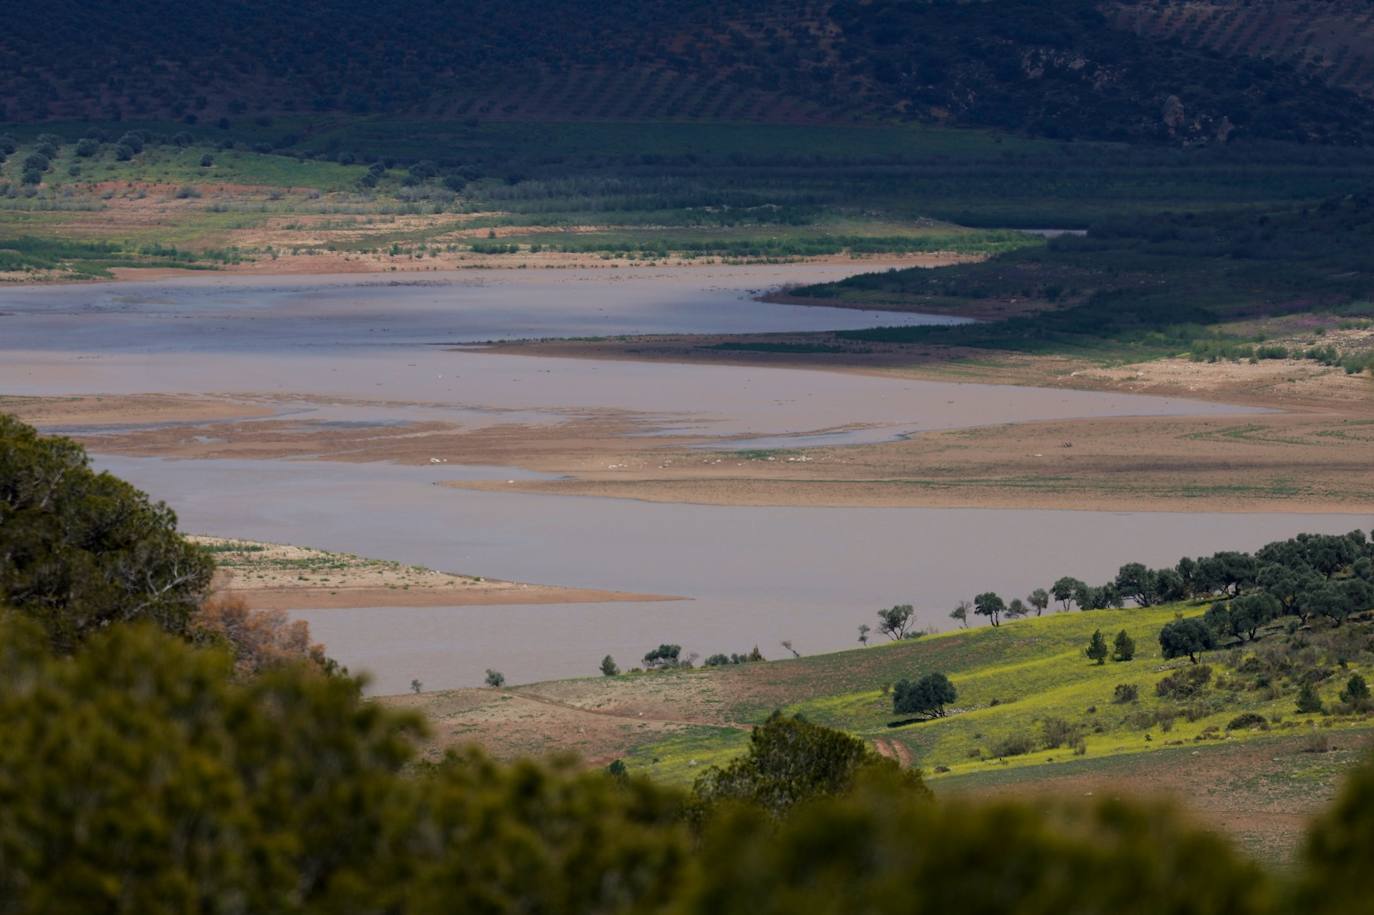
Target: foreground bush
[140,777]
[883,853]
[81,550]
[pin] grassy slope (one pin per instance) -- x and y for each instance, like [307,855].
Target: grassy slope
[1034,668]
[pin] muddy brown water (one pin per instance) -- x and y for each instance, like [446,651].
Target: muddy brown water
[361,350]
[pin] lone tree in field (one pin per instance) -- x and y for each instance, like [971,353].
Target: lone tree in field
[864,630]
[1124,647]
[495,678]
[608,667]
[1186,638]
[1039,599]
[960,613]
[990,605]
[1097,648]
[927,696]
[893,621]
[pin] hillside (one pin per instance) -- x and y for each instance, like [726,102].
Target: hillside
[1331,40]
[1032,710]
[1056,69]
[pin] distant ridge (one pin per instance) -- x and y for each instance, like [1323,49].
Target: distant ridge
[1134,72]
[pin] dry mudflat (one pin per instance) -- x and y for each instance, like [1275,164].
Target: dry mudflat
[275,576]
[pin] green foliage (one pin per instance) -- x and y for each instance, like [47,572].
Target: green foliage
[791,761]
[990,605]
[1184,684]
[1123,647]
[80,551]
[927,696]
[1097,650]
[1149,286]
[874,852]
[1123,693]
[1064,590]
[495,679]
[894,621]
[1356,692]
[138,776]
[664,656]
[1186,638]
[1309,701]
[1336,878]
[609,668]
[1247,721]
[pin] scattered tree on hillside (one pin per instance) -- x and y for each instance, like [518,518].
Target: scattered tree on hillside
[1186,638]
[1064,590]
[927,696]
[1097,648]
[990,605]
[1039,599]
[1356,693]
[1309,702]
[495,678]
[416,687]
[960,613]
[609,668]
[1016,608]
[864,630]
[1124,647]
[893,622]
[663,656]
[1137,583]
[791,760]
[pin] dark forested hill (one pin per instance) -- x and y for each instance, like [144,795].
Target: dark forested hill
[1065,68]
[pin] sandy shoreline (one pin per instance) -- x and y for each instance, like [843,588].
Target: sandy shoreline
[274,576]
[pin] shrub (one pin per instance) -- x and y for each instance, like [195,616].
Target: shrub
[1356,692]
[1057,732]
[1248,721]
[791,760]
[1123,647]
[87,147]
[1185,683]
[608,667]
[1309,702]
[1097,648]
[1125,692]
[495,678]
[207,160]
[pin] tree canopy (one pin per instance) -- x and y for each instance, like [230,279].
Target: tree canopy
[81,550]
[927,696]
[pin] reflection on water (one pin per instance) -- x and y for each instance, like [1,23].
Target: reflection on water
[756,575]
